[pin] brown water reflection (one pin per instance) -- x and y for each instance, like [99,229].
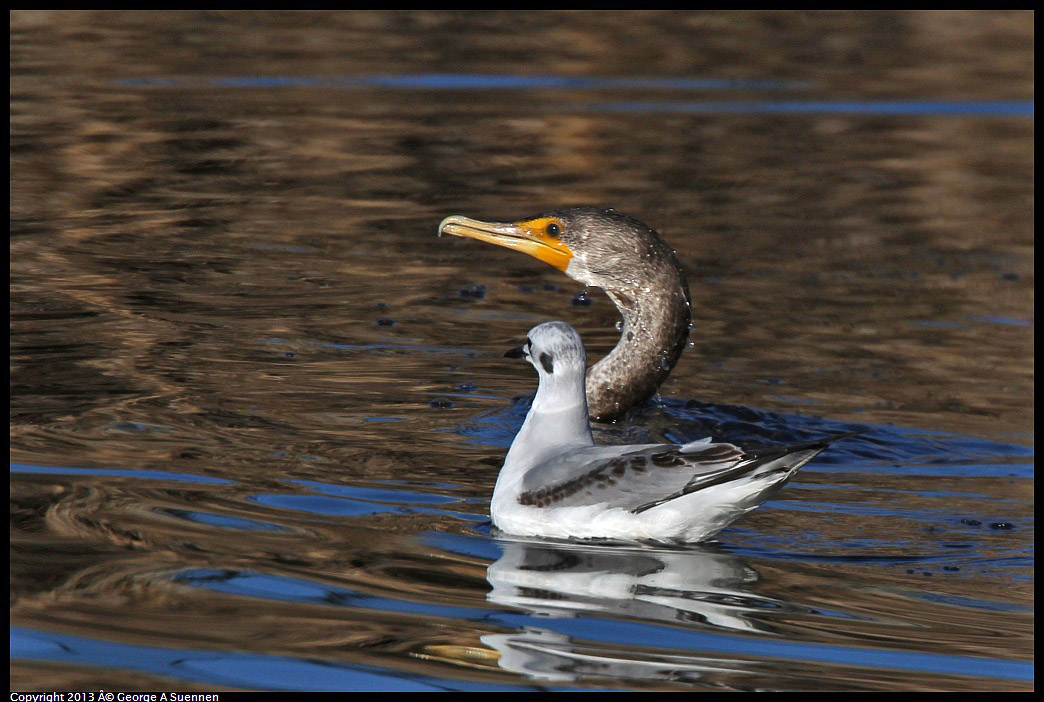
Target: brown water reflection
[243,284]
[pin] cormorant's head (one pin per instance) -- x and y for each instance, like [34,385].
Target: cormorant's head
[594,245]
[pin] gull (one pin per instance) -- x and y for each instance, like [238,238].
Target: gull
[557,483]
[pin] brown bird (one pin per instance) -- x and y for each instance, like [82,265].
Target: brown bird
[636,269]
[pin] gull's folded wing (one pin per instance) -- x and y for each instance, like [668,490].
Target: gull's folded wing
[638,478]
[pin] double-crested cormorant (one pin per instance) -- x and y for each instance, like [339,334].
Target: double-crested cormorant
[636,269]
[556,483]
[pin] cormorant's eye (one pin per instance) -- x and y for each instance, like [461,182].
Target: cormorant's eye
[554,230]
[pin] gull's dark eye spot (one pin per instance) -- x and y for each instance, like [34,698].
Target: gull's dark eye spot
[545,361]
[554,230]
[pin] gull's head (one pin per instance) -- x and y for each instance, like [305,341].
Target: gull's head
[594,245]
[555,350]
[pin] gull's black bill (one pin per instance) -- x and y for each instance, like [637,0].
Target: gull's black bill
[519,352]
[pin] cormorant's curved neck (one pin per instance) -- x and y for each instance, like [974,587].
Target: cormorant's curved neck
[656,319]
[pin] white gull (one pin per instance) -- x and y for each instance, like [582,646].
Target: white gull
[557,483]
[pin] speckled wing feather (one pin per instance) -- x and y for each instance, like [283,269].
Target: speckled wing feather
[629,477]
[638,478]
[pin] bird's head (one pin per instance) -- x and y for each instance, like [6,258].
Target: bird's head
[596,246]
[554,349]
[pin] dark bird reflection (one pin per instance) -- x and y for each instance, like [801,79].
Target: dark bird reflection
[701,586]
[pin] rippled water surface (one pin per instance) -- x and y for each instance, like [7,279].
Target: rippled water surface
[258,408]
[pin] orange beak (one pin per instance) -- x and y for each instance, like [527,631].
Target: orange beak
[528,237]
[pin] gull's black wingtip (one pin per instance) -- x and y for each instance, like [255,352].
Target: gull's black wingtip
[833,438]
[820,444]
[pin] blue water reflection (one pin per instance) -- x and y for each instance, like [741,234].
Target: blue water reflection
[465,81]
[236,670]
[450,81]
[116,473]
